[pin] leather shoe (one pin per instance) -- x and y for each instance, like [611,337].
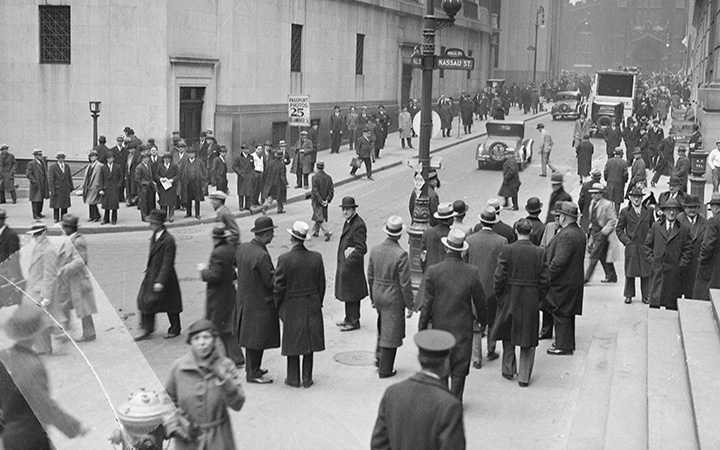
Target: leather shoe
[341,324]
[557,352]
[240,364]
[86,339]
[608,280]
[348,327]
[628,300]
[171,335]
[307,383]
[507,376]
[142,337]
[492,356]
[259,380]
[545,336]
[522,384]
[388,375]
[291,384]
[477,365]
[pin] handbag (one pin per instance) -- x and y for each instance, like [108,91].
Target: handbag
[179,425]
[356,163]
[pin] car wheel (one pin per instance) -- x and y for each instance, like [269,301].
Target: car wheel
[497,151]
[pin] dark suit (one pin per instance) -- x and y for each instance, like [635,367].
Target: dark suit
[218,174]
[102,151]
[559,195]
[669,255]
[632,230]
[697,233]
[336,124]
[665,196]
[665,159]
[145,188]
[364,150]
[350,282]
[61,186]
[616,175]
[111,183]
[7,176]
[708,274]
[452,288]
[682,171]
[402,425]
[538,228]
[36,173]
[322,193]
[131,162]
[613,137]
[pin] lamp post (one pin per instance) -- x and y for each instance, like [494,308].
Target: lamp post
[539,22]
[421,211]
[95,112]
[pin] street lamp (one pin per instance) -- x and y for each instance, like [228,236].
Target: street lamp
[421,211]
[539,22]
[95,112]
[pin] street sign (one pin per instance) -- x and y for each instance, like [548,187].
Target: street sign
[299,110]
[454,59]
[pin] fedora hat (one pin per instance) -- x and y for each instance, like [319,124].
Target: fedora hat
[348,202]
[166,155]
[60,155]
[715,199]
[444,211]
[691,201]
[455,240]
[220,232]
[596,173]
[672,203]
[263,223]
[37,227]
[394,226]
[320,164]
[556,178]
[93,152]
[569,209]
[37,151]
[27,322]
[597,188]
[218,195]
[636,192]
[70,220]
[489,216]
[539,126]
[460,207]
[674,181]
[618,151]
[558,208]
[533,205]
[299,230]
[637,152]
[495,204]
[157,216]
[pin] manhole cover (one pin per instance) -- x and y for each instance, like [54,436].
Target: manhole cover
[356,358]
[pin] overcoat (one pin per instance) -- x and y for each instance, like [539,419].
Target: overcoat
[226,218]
[303,159]
[632,231]
[36,173]
[432,245]
[616,175]
[350,284]
[606,220]
[538,228]
[220,291]
[401,425]
[697,232]
[73,279]
[613,137]
[666,156]
[299,291]
[111,182]
[655,137]
[405,125]
[167,197]
[391,293]
[446,115]
[566,257]
[255,311]
[452,287]
[505,231]
[219,174]
[521,281]
[708,274]
[511,178]
[583,153]
[195,389]
[682,170]
[92,184]
[483,253]
[638,173]
[275,180]
[364,148]
[244,167]
[42,273]
[559,195]
[322,191]
[131,162]
[7,171]
[61,185]
[434,202]
[668,255]
[193,178]
[160,269]
[631,136]
[581,128]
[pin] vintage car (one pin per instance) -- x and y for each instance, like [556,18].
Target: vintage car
[568,104]
[504,137]
[602,114]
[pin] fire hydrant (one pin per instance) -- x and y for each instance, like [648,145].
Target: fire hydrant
[141,419]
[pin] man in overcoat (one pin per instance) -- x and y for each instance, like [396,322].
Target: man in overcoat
[244,169]
[145,186]
[111,186]
[11,275]
[612,136]
[697,224]
[665,161]
[632,228]
[225,217]
[352,122]
[132,159]
[276,182]
[364,151]
[565,257]
[500,228]
[193,178]
[558,194]
[682,168]
[336,126]
[36,173]
[391,293]
[673,192]
[533,206]
[167,179]
[323,191]
[350,284]
[299,291]
[452,288]
[521,281]
[7,174]
[638,172]
[256,321]
[160,289]
[302,163]
[220,293]
[708,273]
[484,248]
[602,225]
[631,136]
[616,175]
[546,146]
[583,152]
[432,250]
[585,198]
[655,135]
[511,182]
[41,280]
[60,185]
[438,425]
[668,249]
[218,171]
[92,185]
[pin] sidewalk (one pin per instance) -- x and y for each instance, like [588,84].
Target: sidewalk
[337,166]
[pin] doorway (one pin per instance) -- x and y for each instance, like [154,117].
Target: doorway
[191,106]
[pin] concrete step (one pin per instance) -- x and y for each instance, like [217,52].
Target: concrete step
[627,418]
[715,300]
[669,402]
[701,342]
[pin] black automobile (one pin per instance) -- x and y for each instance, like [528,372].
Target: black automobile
[568,105]
[504,138]
[603,114]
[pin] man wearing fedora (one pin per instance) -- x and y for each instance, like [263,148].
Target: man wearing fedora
[302,163]
[365,153]
[585,198]
[218,171]
[558,194]
[299,291]
[583,152]
[36,173]
[11,276]
[612,136]
[546,146]
[225,218]
[697,224]
[460,208]
[220,293]
[160,289]
[111,188]
[664,162]
[193,179]
[132,160]
[92,185]
[256,321]
[7,174]
[632,227]
[708,273]
[248,184]
[391,293]
[432,250]
[602,225]
[673,192]
[275,186]
[500,228]
[323,191]
[400,424]
[60,185]
[565,257]
[638,172]
[533,206]
[511,182]
[682,168]
[483,250]
[668,249]
[336,125]
[616,175]
[167,178]
[145,186]
[350,284]
[655,135]
[452,288]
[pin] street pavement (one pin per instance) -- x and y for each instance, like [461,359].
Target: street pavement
[564,407]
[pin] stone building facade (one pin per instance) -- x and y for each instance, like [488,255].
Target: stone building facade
[228,65]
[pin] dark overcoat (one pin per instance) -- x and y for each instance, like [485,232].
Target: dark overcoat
[616,175]
[219,174]
[682,170]
[322,191]
[193,178]
[111,182]
[697,233]
[402,425]
[584,152]
[350,283]
[559,195]
[708,273]
[255,311]
[299,291]
[432,245]
[364,148]
[304,154]
[638,172]
[505,231]
[566,256]
[434,202]
[275,180]
[244,167]
[632,231]
[668,255]
[584,200]
[167,197]
[160,269]
[131,162]
[391,293]
[60,185]
[521,281]
[538,228]
[666,156]
[483,253]
[612,137]
[36,173]
[511,178]
[7,171]
[220,292]
[452,287]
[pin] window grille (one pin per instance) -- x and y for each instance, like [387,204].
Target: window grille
[296,48]
[54,34]
[359,54]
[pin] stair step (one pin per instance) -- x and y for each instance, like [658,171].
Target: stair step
[701,342]
[669,403]
[715,299]
[627,414]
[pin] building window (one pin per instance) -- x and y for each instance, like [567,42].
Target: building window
[54,34]
[359,53]
[442,72]
[296,48]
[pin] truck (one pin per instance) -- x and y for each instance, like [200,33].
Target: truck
[612,98]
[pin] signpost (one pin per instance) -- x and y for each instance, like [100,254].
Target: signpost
[454,59]
[299,110]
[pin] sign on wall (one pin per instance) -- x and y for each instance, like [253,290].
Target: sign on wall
[299,110]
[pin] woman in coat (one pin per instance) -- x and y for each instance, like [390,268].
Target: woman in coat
[92,185]
[203,385]
[511,181]
[167,172]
